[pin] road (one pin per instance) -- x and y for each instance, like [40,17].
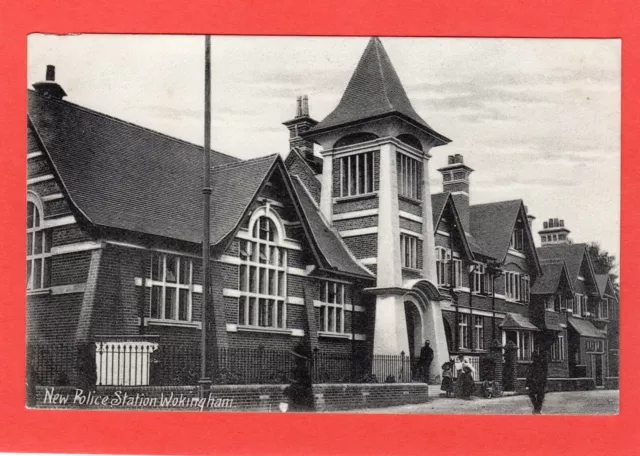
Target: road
[565,403]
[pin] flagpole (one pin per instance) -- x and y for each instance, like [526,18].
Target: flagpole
[206,193]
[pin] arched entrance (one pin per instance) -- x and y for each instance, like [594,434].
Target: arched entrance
[415,333]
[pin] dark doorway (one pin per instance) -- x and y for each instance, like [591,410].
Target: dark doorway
[597,370]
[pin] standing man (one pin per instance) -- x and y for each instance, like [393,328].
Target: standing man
[426,358]
[537,381]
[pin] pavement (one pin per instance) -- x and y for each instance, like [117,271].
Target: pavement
[598,402]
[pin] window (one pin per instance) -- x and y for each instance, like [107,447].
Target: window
[443,256]
[262,277]
[525,345]
[594,346]
[409,251]
[557,349]
[38,249]
[171,287]
[478,332]
[604,309]
[333,297]
[517,286]
[517,239]
[549,303]
[481,281]
[356,174]
[409,176]
[543,238]
[443,268]
[463,331]
[579,305]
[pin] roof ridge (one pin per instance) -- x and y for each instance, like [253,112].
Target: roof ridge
[243,162]
[497,202]
[377,44]
[107,116]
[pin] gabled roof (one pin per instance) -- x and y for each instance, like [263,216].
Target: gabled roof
[552,275]
[442,200]
[571,254]
[492,226]
[605,285]
[328,241]
[120,175]
[438,201]
[374,90]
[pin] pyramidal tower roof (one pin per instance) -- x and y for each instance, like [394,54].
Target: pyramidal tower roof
[374,91]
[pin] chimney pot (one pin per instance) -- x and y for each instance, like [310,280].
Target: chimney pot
[562,223]
[450,160]
[305,105]
[51,73]
[545,225]
[299,106]
[556,222]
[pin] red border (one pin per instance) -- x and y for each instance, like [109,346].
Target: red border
[165,433]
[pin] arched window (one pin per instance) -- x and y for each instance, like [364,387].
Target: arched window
[38,247]
[263,276]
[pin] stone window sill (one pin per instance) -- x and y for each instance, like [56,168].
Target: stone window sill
[342,199]
[334,335]
[409,199]
[175,323]
[41,291]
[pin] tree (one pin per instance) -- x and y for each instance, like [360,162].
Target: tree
[604,263]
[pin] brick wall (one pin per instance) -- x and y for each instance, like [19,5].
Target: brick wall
[355,223]
[356,204]
[410,207]
[365,246]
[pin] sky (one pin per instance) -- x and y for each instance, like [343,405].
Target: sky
[537,119]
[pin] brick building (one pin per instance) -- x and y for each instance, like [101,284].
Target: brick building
[348,253]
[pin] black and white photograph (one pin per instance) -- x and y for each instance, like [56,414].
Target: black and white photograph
[291,224]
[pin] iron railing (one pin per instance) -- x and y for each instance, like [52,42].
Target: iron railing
[139,363]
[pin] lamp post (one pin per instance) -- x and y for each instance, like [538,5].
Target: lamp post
[206,193]
[495,271]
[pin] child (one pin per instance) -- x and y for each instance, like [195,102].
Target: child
[467,383]
[447,380]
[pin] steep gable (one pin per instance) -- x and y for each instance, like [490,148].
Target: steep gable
[447,207]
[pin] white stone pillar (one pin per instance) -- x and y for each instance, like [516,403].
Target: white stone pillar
[434,332]
[389,266]
[326,194]
[428,243]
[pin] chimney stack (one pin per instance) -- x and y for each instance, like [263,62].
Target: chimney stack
[299,124]
[455,180]
[553,232]
[455,176]
[49,87]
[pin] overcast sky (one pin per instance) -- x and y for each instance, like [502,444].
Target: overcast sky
[536,119]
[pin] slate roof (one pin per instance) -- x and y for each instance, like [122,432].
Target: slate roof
[603,281]
[586,329]
[549,282]
[334,250]
[374,90]
[572,254]
[438,201]
[492,225]
[121,175]
[517,321]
